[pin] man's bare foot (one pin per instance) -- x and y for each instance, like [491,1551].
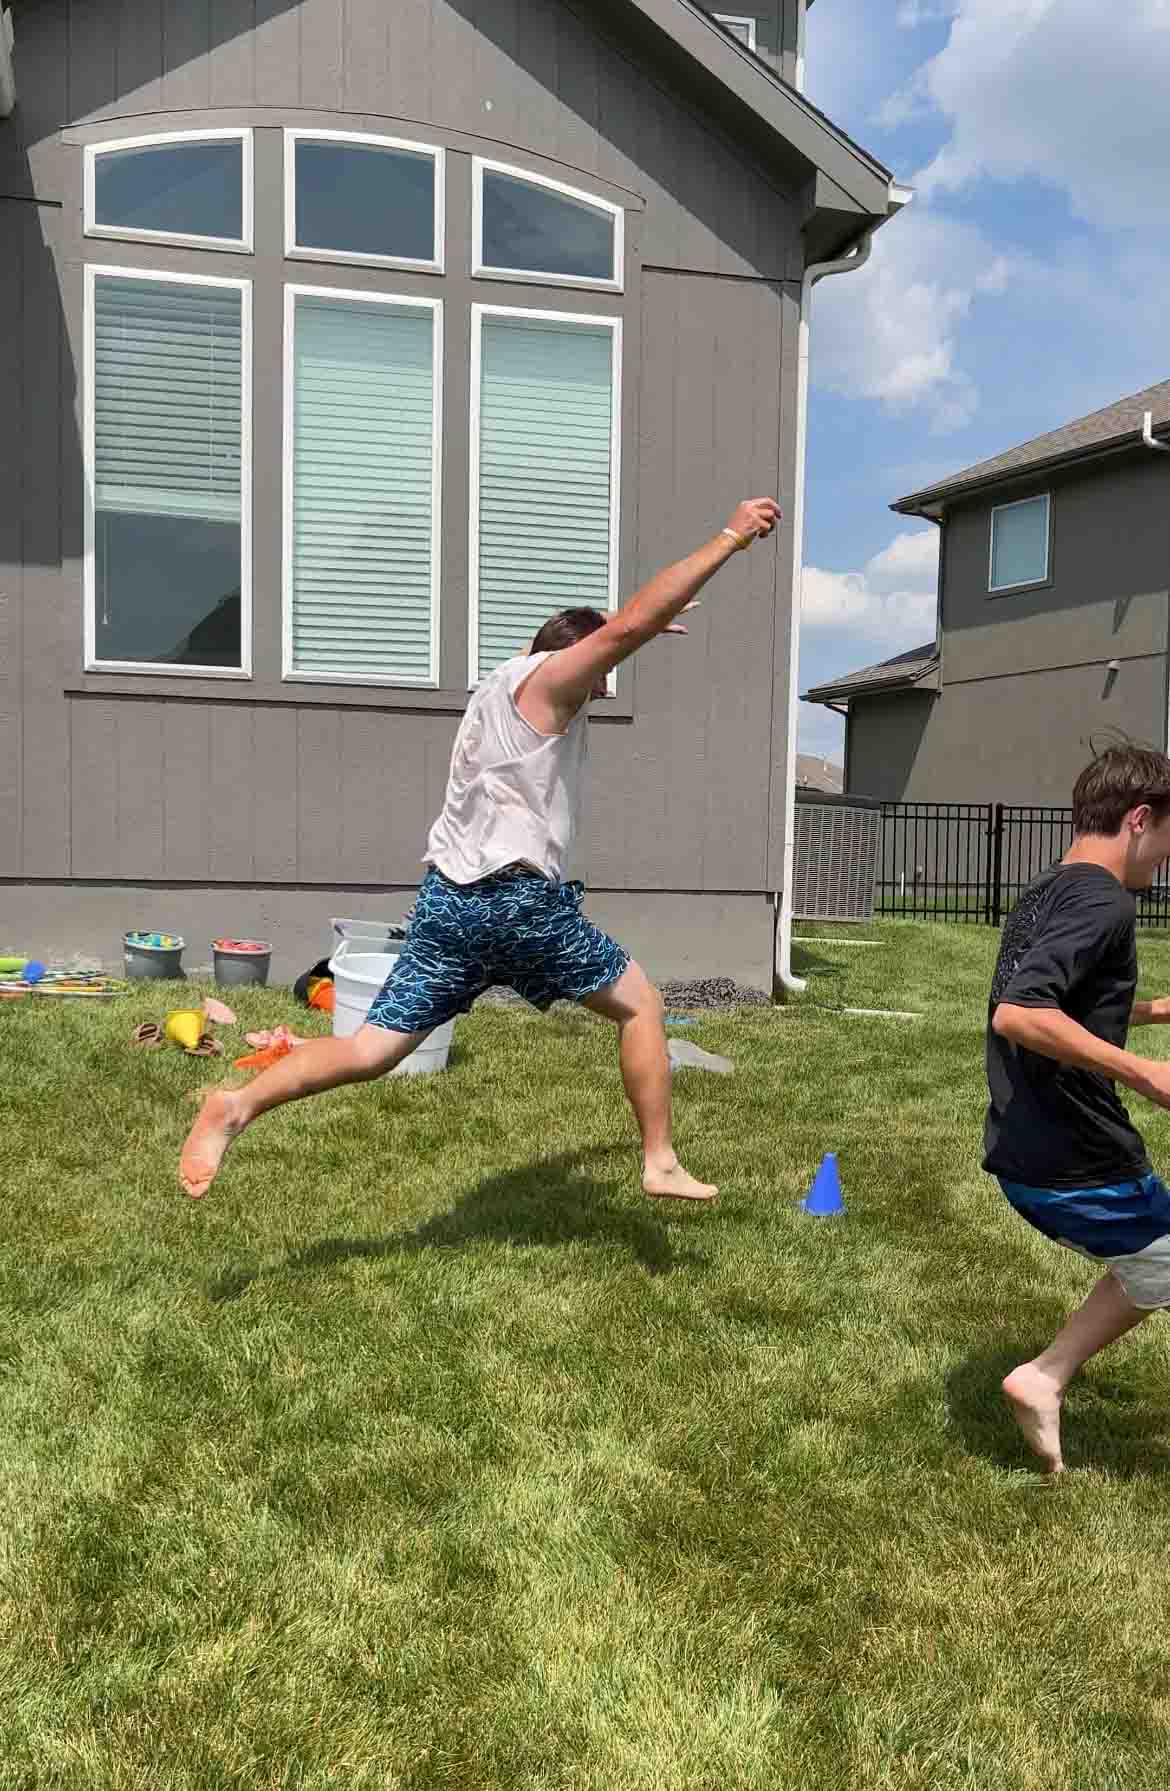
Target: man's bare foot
[208,1141]
[1035,1399]
[671,1182]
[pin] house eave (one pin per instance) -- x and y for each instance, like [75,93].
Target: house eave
[828,695]
[933,501]
[753,101]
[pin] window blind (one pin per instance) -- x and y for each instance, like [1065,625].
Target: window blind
[167,362]
[545,477]
[363,470]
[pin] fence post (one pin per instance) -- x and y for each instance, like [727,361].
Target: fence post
[997,868]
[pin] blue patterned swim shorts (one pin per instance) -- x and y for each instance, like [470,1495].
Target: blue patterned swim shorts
[524,932]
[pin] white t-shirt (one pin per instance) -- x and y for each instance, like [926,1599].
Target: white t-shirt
[513,794]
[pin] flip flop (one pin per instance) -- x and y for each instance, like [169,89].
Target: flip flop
[149,1034]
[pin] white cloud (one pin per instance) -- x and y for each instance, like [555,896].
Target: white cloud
[891,331]
[1061,91]
[892,598]
[912,13]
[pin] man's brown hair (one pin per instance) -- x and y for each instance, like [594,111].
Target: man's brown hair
[566,629]
[1119,779]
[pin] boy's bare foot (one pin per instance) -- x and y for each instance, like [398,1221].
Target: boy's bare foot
[671,1182]
[207,1142]
[1035,1399]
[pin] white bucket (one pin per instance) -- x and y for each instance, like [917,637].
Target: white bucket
[358,975]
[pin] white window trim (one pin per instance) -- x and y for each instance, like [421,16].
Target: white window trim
[480,165]
[295,251]
[242,245]
[398,301]
[1025,583]
[614,324]
[153,669]
[739,18]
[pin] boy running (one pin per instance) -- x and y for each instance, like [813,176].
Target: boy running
[1065,1151]
[494,906]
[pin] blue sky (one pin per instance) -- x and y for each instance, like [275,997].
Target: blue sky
[1026,284]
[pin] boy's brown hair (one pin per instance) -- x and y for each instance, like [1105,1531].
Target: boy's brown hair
[1119,779]
[566,629]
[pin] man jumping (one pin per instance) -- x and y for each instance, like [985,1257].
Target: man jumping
[494,906]
[1059,1139]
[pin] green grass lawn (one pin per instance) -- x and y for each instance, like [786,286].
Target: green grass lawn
[426,1453]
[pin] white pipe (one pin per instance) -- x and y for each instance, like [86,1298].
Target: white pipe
[1148,435]
[820,270]
[7,75]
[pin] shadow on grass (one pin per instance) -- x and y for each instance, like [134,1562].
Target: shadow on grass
[811,961]
[555,1201]
[1108,1426]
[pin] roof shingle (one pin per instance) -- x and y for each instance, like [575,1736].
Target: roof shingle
[898,673]
[1101,429]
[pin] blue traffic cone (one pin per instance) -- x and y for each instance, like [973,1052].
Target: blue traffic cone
[824,1197]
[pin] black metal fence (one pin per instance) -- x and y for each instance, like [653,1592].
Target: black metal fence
[970,861]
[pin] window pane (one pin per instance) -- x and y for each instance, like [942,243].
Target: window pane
[546,407]
[166,475]
[356,199]
[536,230]
[188,189]
[1019,544]
[363,444]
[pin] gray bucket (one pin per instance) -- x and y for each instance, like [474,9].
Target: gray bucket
[147,962]
[241,969]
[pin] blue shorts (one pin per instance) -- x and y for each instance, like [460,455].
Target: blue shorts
[1125,1225]
[524,932]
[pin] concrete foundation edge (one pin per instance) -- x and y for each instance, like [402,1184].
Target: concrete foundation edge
[670,933]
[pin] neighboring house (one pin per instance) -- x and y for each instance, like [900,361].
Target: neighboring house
[341,342]
[1053,621]
[818,774]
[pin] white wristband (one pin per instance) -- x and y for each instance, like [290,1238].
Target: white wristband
[741,541]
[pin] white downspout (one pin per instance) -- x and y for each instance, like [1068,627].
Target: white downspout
[821,270]
[1148,435]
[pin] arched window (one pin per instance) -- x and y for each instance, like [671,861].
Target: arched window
[527,227]
[192,187]
[367,199]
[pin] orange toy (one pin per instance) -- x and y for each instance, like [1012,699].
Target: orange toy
[322,995]
[264,1060]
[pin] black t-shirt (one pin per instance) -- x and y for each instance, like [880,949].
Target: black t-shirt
[1069,943]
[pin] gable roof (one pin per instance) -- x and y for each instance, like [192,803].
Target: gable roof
[1118,425]
[754,101]
[902,672]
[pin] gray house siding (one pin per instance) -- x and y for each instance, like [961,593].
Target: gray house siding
[885,738]
[264,805]
[1025,684]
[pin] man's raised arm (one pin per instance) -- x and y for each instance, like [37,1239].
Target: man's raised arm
[559,688]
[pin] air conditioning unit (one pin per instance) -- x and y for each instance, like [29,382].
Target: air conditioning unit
[838,839]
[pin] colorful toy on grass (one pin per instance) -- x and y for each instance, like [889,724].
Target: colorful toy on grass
[187,1027]
[270,1048]
[315,987]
